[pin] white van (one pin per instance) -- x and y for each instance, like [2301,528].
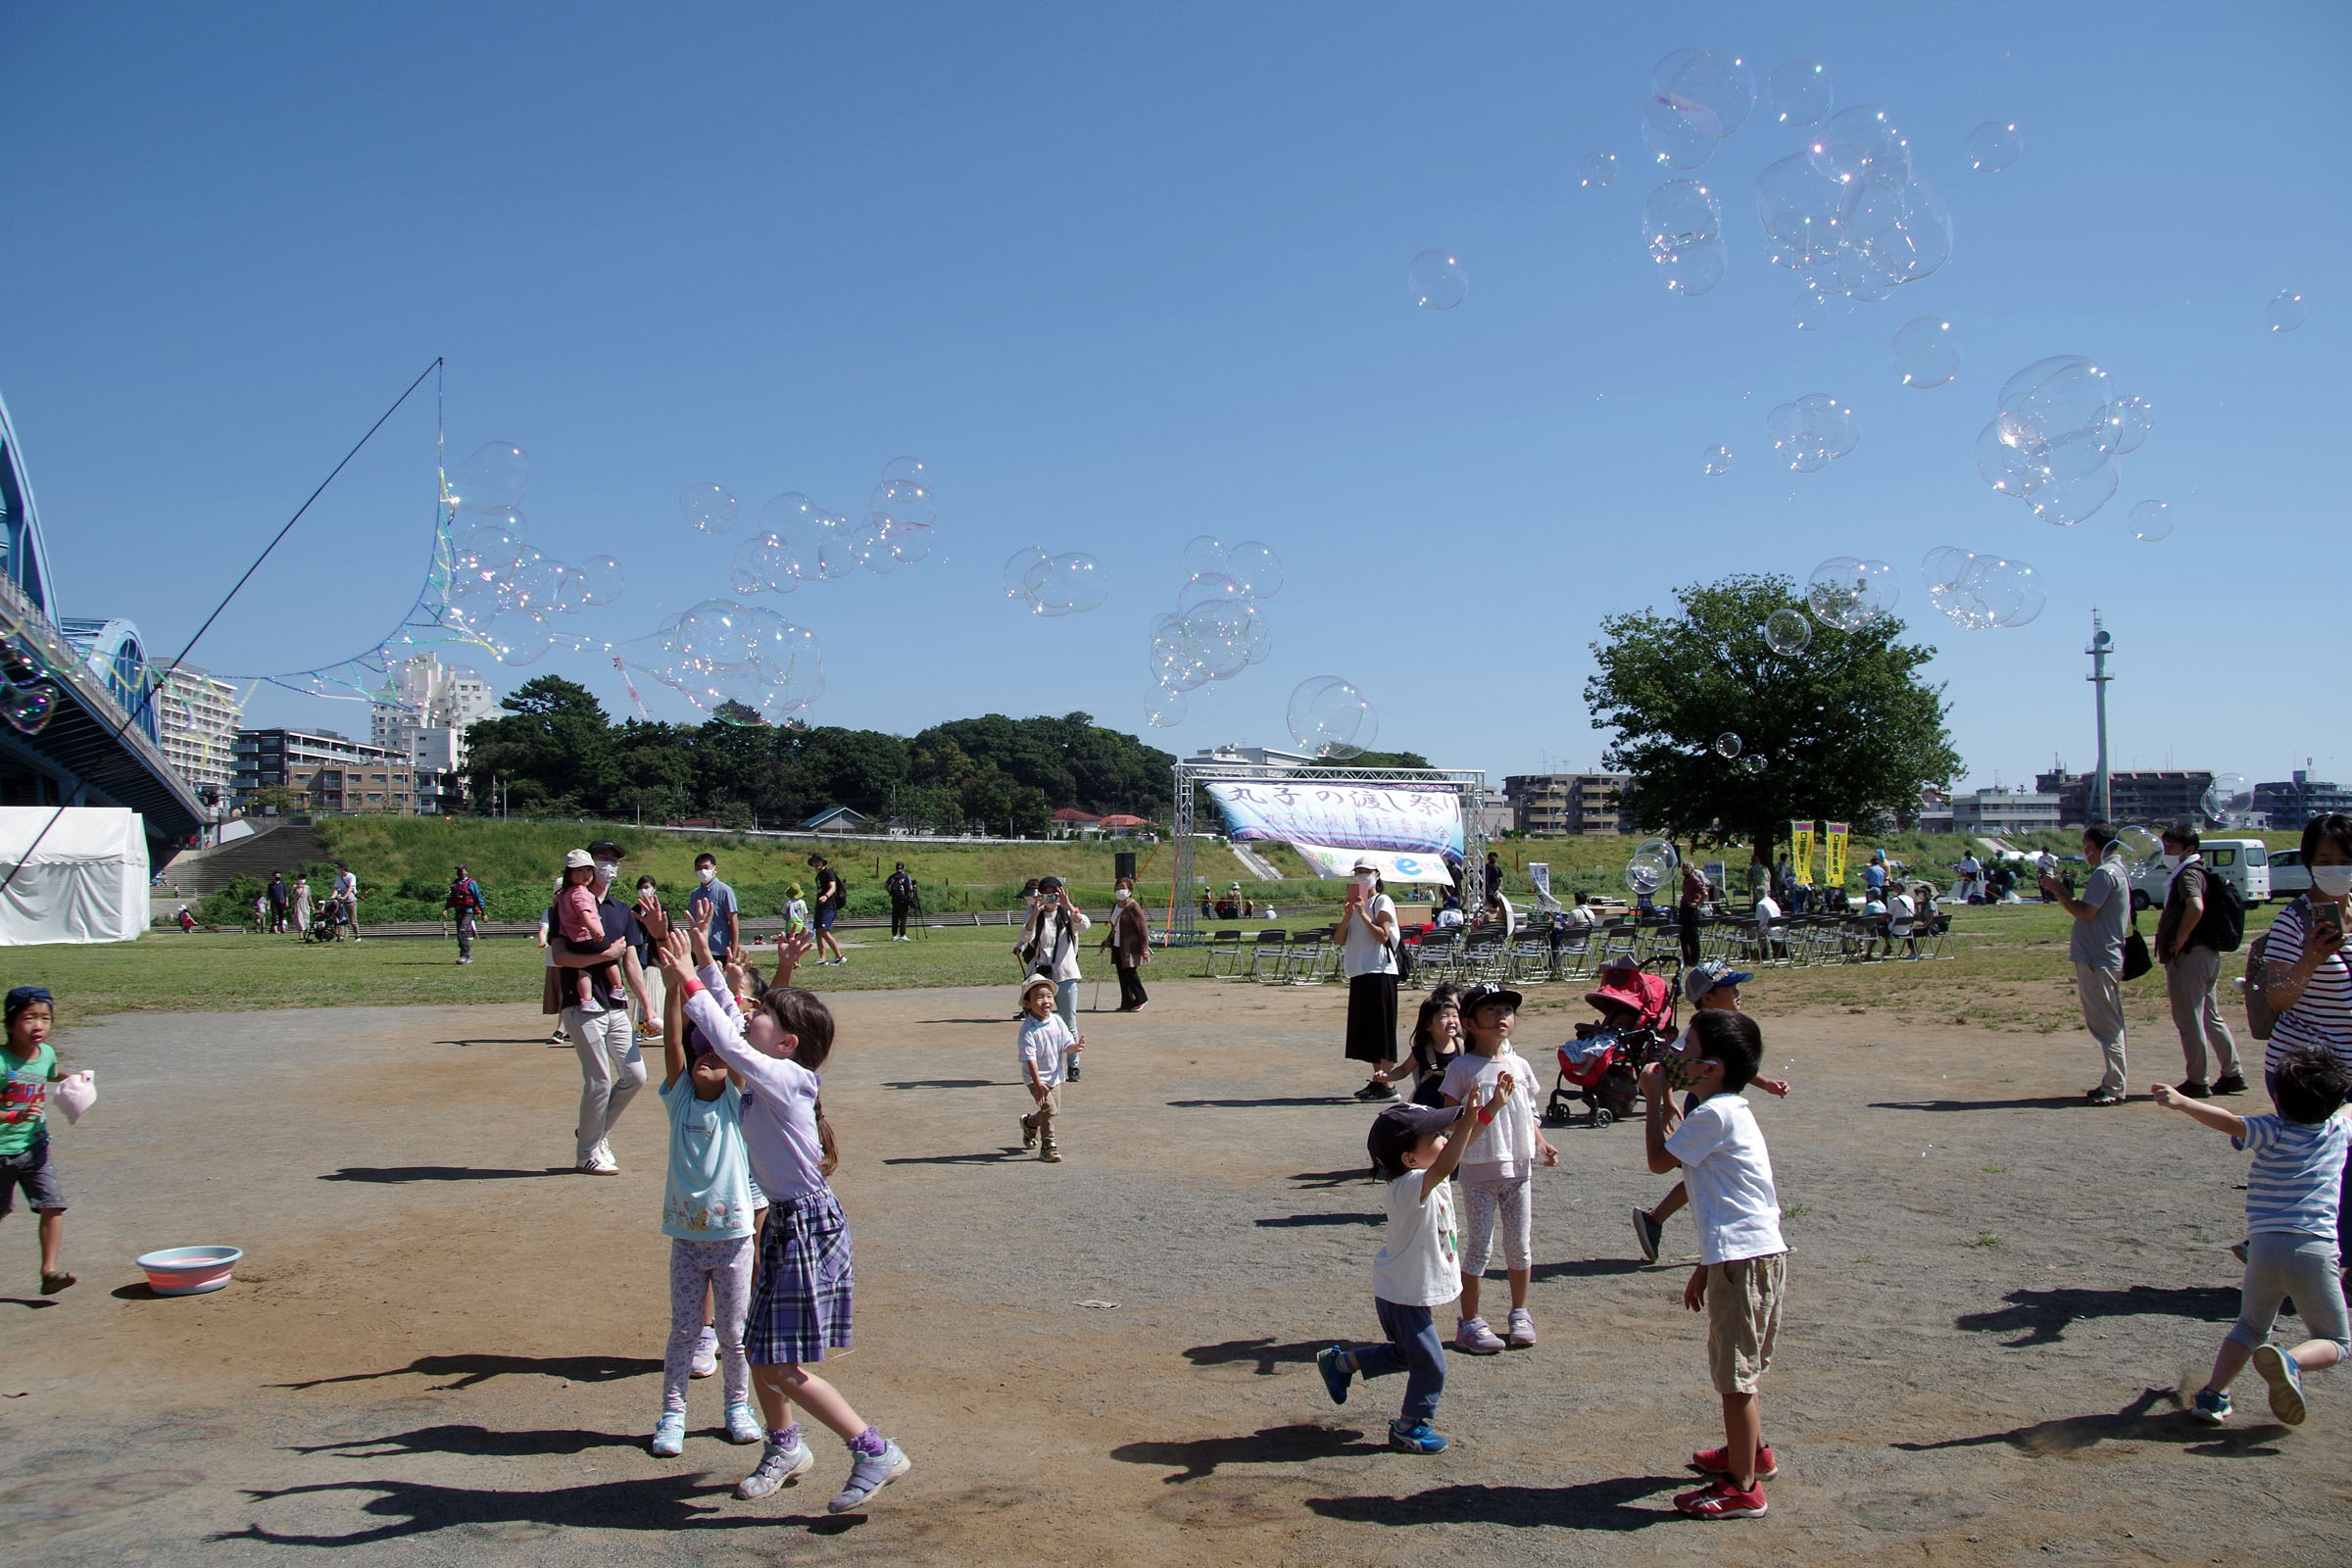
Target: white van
[2244,863]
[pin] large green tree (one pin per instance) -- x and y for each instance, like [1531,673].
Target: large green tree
[1845,729]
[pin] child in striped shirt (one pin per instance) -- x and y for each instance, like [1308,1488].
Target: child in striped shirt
[2291,1195]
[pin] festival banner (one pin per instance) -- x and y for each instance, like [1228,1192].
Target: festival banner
[1832,844]
[1398,869]
[1410,820]
[1800,851]
[1540,873]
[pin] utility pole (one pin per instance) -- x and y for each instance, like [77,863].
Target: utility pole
[2101,645]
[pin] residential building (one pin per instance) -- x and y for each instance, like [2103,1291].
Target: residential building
[324,772]
[2149,794]
[2292,803]
[1998,811]
[1549,805]
[423,714]
[198,728]
[835,819]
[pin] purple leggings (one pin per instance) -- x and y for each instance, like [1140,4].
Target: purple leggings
[725,1270]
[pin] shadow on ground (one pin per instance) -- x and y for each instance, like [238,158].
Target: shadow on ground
[409,1509]
[1200,1457]
[469,1370]
[1265,1352]
[2044,1316]
[1593,1506]
[2137,1422]
[435,1173]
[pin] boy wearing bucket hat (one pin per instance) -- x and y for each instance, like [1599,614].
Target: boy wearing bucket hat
[1709,984]
[1048,1051]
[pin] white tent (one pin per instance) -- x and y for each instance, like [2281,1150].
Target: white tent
[87,880]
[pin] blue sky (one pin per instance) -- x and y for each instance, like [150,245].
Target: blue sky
[1122,276]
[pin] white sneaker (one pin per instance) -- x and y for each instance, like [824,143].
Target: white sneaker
[1472,1334]
[705,1353]
[599,1163]
[778,1467]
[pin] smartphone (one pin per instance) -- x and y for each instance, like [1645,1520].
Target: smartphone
[2326,916]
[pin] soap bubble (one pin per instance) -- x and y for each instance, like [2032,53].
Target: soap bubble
[1788,632]
[2151,520]
[707,506]
[2058,412]
[1751,764]
[1164,708]
[516,635]
[1646,872]
[1727,745]
[1256,568]
[1799,91]
[2135,417]
[1329,717]
[2230,795]
[2137,846]
[869,546]
[901,502]
[1674,141]
[27,708]
[1663,849]
[1203,557]
[763,563]
[1017,567]
[2285,311]
[1994,146]
[1684,228]
[1595,171]
[1813,431]
[1810,310]
[494,476]
[910,542]
[493,546]
[1850,594]
[909,470]
[1859,140]
[1262,641]
[1897,230]
[603,579]
[2063,503]
[1924,352]
[741,663]
[1067,585]
[1717,461]
[1981,591]
[1801,210]
[1706,89]
[1438,281]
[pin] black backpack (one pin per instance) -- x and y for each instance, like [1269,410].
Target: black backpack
[2223,925]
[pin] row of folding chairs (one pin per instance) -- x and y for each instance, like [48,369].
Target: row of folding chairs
[1273,957]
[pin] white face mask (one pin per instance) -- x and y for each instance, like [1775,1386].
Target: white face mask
[2334,880]
[1366,881]
[606,870]
[2171,862]
[1122,895]
[707,874]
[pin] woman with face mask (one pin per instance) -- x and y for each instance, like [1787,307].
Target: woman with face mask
[1130,945]
[2305,975]
[1367,936]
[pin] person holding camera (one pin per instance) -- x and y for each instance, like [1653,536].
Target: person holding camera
[1050,946]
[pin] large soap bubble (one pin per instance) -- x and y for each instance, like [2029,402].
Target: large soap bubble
[1254,568]
[707,506]
[1850,594]
[2135,417]
[1329,717]
[1994,146]
[2285,311]
[1799,91]
[741,663]
[1727,745]
[1979,592]
[2151,520]
[2228,796]
[1706,89]
[2138,847]
[1926,354]
[1813,431]
[1438,281]
[1683,226]
[1810,310]
[1716,460]
[1017,567]
[1203,557]
[1065,585]
[1646,872]
[493,476]
[603,579]
[1597,171]
[1164,708]
[1859,140]
[1786,633]
[2055,440]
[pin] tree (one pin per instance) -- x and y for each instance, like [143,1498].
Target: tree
[1845,729]
[554,745]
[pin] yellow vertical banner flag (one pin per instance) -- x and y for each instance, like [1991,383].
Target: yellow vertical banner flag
[1800,851]
[1833,848]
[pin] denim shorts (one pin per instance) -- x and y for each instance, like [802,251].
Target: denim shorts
[30,1171]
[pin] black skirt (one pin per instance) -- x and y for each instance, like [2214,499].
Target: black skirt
[1372,1018]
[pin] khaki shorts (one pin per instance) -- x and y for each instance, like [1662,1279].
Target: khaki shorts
[1743,1318]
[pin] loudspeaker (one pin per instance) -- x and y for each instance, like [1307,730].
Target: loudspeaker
[1123,863]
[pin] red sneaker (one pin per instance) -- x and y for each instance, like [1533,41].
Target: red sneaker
[1712,1461]
[1719,1499]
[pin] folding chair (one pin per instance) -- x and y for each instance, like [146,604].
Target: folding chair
[1531,959]
[1304,961]
[1265,956]
[1224,955]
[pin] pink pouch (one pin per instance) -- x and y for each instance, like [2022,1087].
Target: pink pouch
[76,1093]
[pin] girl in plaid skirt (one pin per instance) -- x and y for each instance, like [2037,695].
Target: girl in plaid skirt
[800,1296]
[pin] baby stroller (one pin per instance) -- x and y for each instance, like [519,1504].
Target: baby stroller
[327,919]
[1601,1067]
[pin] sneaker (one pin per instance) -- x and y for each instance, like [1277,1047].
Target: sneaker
[1051,1155]
[1471,1334]
[2230,1083]
[743,1424]
[1378,1092]
[1646,1231]
[778,1466]
[1519,1330]
[2237,1250]
[559,1038]
[869,1475]
[597,1164]
[2191,1088]
[2104,1095]
[1028,1134]
[705,1353]
[1418,1437]
[2285,1378]
[1073,1072]
[1712,1461]
[1336,1377]
[1719,1498]
[2212,1407]
[670,1435]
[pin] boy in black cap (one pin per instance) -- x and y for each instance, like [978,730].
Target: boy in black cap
[1414,1149]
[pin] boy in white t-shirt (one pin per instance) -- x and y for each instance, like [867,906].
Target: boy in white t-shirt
[1741,1275]
[1048,1051]
[1414,1149]
[1496,1184]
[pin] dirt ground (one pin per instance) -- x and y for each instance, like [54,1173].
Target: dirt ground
[444,1347]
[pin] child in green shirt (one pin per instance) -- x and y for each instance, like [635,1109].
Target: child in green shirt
[28,1067]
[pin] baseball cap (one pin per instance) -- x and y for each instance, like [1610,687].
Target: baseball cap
[606,850]
[576,860]
[1397,1129]
[1367,865]
[1711,974]
[1478,996]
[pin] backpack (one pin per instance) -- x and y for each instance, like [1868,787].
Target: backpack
[462,895]
[2223,925]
